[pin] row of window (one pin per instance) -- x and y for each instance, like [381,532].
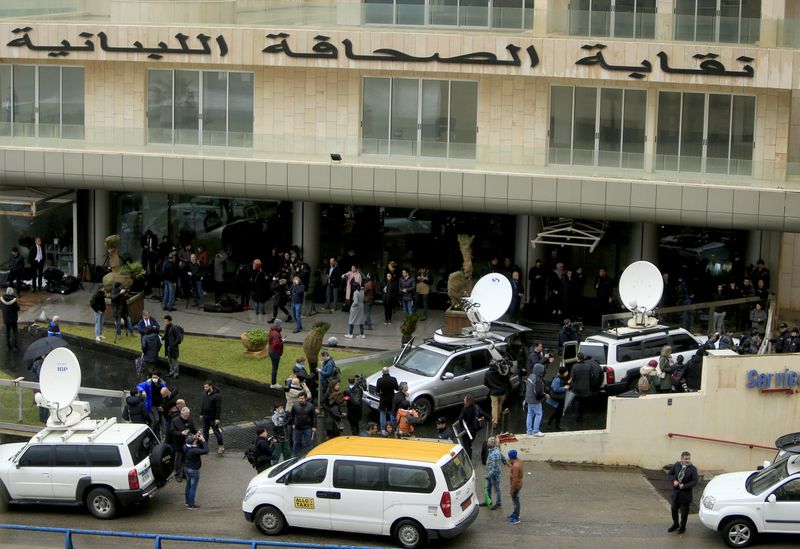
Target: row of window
[696,132]
[71,455]
[498,14]
[363,475]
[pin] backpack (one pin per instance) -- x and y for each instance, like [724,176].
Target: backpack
[180,333]
[250,454]
[643,385]
[356,395]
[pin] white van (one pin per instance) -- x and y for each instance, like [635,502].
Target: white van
[411,490]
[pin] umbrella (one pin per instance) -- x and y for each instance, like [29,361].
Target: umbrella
[568,400]
[42,347]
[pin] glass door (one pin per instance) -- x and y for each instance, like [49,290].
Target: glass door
[727,21]
[405,113]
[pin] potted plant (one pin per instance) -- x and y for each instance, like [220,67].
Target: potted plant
[408,326]
[255,342]
[459,285]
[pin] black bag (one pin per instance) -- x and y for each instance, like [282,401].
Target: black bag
[250,454]
[346,307]
[52,275]
[223,304]
[4,278]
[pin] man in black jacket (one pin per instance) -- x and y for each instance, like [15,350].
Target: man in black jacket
[98,305]
[181,427]
[173,337]
[684,477]
[16,268]
[304,417]
[386,387]
[11,317]
[263,450]
[333,279]
[151,345]
[211,411]
[581,384]
[135,410]
[499,384]
[193,450]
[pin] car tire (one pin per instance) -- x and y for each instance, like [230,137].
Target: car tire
[102,503]
[270,521]
[738,532]
[5,497]
[424,407]
[409,534]
[161,462]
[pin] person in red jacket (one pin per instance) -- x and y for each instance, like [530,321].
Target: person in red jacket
[517,471]
[276,340]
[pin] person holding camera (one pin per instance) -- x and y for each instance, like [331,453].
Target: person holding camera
[119,309]
[193,450]
[263,447]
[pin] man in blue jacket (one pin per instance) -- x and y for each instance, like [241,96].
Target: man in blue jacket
[145,323]
[150,389]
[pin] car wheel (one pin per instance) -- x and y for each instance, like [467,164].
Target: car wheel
[270,521]
[102,503]
[162,461]
[738,532]
[424,408]
[4,498]
[409,534]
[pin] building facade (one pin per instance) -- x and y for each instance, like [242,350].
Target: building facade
[389,126]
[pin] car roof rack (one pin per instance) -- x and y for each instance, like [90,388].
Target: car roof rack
[624,332]
[95,427]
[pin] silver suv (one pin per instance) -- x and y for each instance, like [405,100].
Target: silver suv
[104,466]
[439,375]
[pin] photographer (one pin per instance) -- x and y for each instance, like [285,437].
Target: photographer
[193,451]
[119,309]
[263,446]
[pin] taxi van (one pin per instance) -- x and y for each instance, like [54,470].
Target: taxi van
[411,490]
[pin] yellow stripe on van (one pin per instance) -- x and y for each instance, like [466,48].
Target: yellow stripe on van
[374,447]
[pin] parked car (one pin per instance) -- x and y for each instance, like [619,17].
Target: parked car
[411,490]
[104,467]
[740,506]
[439,374]
[623,351]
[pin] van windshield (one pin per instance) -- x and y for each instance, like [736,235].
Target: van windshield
[422,361]
[457,471]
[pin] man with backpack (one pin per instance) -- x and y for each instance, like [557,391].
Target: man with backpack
[259,454]
[173,337]
[328,372]
[354,397]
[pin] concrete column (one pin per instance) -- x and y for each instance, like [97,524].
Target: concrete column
[665,20]
[524,254]
[650,130]
[753,252]
[306,231]
[643,243]
[772,28]
[99,225]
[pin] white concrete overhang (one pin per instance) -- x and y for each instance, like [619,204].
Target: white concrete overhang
[571,232]
[32,201]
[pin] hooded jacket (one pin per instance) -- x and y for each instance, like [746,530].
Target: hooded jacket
[146,387]
[151,345]
[135,410]
[275,339]
[10,309]
[534,391]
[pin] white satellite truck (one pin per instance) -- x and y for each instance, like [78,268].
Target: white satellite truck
[76,460]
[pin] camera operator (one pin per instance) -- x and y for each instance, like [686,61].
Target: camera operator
[264,443]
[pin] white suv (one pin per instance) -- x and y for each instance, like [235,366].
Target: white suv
[100,464]
[623,351]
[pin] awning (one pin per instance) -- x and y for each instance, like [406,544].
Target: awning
[32,202]
[569,232]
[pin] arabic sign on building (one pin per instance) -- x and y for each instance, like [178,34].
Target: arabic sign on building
[325,49]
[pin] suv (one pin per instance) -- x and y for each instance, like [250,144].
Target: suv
[622,351]
[439,374]
[100,464]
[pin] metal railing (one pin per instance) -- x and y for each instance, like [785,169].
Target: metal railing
[158,539]
[721,441]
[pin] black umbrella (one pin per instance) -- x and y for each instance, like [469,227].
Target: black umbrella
[42,347]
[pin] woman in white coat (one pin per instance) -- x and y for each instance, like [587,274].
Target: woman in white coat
[356,312]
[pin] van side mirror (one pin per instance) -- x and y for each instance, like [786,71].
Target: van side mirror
[772,498]
[447,375]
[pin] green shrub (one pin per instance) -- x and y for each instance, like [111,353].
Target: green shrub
[257,337]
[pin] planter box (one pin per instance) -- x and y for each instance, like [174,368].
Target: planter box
[256,351]
[455,322]
[135,308]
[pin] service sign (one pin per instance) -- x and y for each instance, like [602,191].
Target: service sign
[786,380]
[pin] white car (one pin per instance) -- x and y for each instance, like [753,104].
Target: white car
[100,464]
[742,505]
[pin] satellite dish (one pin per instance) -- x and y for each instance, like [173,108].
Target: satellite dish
[60,377]
[492,296]
[640,289]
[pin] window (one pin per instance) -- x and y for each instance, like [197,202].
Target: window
[36,456]
[200,108]
[683,343]
[789,491]
[412,117]
[358,475]
[597,126]
[42,101]
[310,472]
[714,133]
[406,478]
[732,21]
[629,351]
[652,347]
[142,445]
[70,456]
[498,14]
[617,18]
[480,360]
[457,471]
[103,456]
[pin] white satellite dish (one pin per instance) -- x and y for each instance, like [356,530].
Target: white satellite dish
[640,289]
[59,383]
[60,377]
[491,295]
